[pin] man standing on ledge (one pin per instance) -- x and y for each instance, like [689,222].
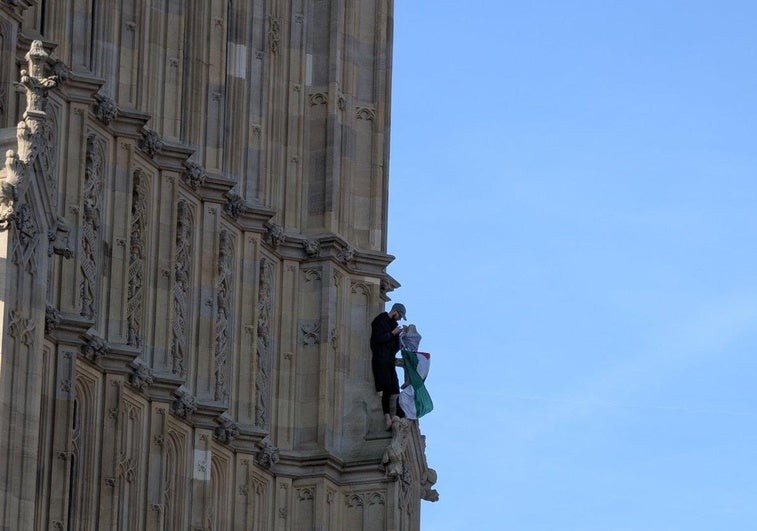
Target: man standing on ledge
[385,343]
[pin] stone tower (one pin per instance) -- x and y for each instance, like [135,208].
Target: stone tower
[193,212]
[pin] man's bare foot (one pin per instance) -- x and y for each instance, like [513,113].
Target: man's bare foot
[388,421]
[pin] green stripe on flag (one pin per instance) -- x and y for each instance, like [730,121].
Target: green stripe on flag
[423,403]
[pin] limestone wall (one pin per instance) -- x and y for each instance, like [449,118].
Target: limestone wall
[192,234]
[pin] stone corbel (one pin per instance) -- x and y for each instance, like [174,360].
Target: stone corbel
[312,248]
[151,142]
[347,256]
[268,454]
[226,430]
[275,234]
[52,318]
[142,377]
[94,347]
[194,175]
[234,205]
[185,404]
[106,109]
[393,459]
[427,481]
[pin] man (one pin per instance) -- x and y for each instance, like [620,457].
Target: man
[385,343]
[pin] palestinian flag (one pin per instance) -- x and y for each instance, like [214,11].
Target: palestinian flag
[414,399]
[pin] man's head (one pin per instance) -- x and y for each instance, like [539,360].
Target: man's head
[397,311]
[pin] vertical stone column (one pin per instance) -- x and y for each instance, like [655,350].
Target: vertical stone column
[25,221]
[284,403]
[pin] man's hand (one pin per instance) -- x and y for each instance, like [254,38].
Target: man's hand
[397,331]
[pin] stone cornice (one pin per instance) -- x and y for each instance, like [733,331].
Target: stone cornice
[69,329]
[170,155]
[214,188]
[17,10]
[79,87]
[129,122]
[250,217]
[335,248]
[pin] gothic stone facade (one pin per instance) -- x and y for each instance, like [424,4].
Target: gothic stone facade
[193,211]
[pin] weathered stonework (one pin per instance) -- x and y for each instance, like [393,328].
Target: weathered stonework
[192,247]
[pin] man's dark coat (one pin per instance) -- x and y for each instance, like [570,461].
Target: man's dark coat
[384,346]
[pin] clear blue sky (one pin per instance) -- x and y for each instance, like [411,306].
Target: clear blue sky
[573,208]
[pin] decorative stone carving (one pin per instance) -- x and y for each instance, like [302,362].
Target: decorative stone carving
[60,70]
[310,332]
[234,205]
[89,242]
[304,493]
[375,498]
[194,175]
[357,286]
[21,328]
[14,170]
[223,310]
[137,251]
[427,481]
[185,404]
[274,234]
[26,237]
[365,113]
[274,34]
[227,429]
[59,242]
[264,342]
[151,142]
[311,274]
[30,131]
[312,248]
[48,155]
[35,81]
[428,477]
[384,287]
[346,255]
[393,455]
[268,455]
[354,500]
[52,318]
[142,377]
[319,98]
[94,347]
[106,109]
[334,339]
[182,272]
